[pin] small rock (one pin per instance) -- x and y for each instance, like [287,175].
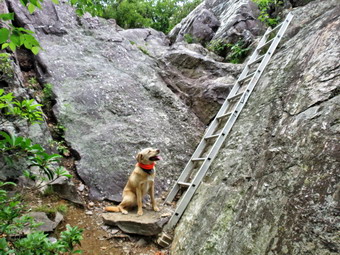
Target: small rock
[114,231]
[52,239]
[168,214]
[91,204]
[81,187]
[141,243]
[105,227]
[89,213]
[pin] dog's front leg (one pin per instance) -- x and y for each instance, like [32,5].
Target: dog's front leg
[139,200]
[152,196]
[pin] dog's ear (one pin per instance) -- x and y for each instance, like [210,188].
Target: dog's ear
[139,157]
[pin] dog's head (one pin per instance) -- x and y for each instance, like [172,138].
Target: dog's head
[148,156]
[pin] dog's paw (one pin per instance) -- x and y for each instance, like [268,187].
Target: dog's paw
[124,212]
[140,213]
[156,209]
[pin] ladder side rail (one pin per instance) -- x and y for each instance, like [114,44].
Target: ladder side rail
[218,143]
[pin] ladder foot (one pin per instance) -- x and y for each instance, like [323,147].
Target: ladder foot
[164,240]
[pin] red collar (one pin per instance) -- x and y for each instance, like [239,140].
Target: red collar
[147,167]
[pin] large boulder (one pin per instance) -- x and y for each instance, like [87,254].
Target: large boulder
[274,186]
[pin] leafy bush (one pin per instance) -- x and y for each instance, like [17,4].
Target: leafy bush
[266,6]
[25,109]
[238,52]
[13,147]
[189,38]
[161,15]
[13,37]
[219,47]
[12,223]
[234,53]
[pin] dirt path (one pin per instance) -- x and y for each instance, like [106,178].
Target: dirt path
[98,239]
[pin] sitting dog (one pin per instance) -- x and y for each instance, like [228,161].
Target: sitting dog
[141,182]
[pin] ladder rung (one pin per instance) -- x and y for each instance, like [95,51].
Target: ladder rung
[211,136]
[272,30]
[266,44]
[198,159]
[236,96]
[224,115]
[184,184]
[257,60]
[247,77]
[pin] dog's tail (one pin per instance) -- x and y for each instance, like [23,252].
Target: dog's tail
[112,209]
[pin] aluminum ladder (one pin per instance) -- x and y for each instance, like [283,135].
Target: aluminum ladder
[220,127]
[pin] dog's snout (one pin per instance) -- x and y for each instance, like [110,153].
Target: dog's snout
[157,150]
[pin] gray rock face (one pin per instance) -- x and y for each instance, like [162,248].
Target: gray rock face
[115,96]
[273,188]
[201,25]
[230,21]
[200,81]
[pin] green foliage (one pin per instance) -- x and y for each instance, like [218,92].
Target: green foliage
[265,7]
[14,147]
[238,52]
[61,147]
[12,223]
[13,37]
[161,15]
[145,51]
[51,210]
[33,81]
[11,210]
[189,38]
[25,109]
[218,46]
[6,69]
[234,53]
[71,237]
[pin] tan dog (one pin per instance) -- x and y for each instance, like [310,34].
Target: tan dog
[141,182]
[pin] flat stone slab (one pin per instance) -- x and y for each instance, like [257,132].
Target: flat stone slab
[149,224]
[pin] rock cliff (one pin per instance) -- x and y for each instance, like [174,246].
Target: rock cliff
[274,187]
[118,91]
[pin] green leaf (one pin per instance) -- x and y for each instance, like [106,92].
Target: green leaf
[55,1]
[15,39]
[5,45]
[4,33]
[7,16]
[35,50]
[31,8]
[24,2]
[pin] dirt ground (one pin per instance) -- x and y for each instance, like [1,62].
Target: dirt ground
[98,239]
